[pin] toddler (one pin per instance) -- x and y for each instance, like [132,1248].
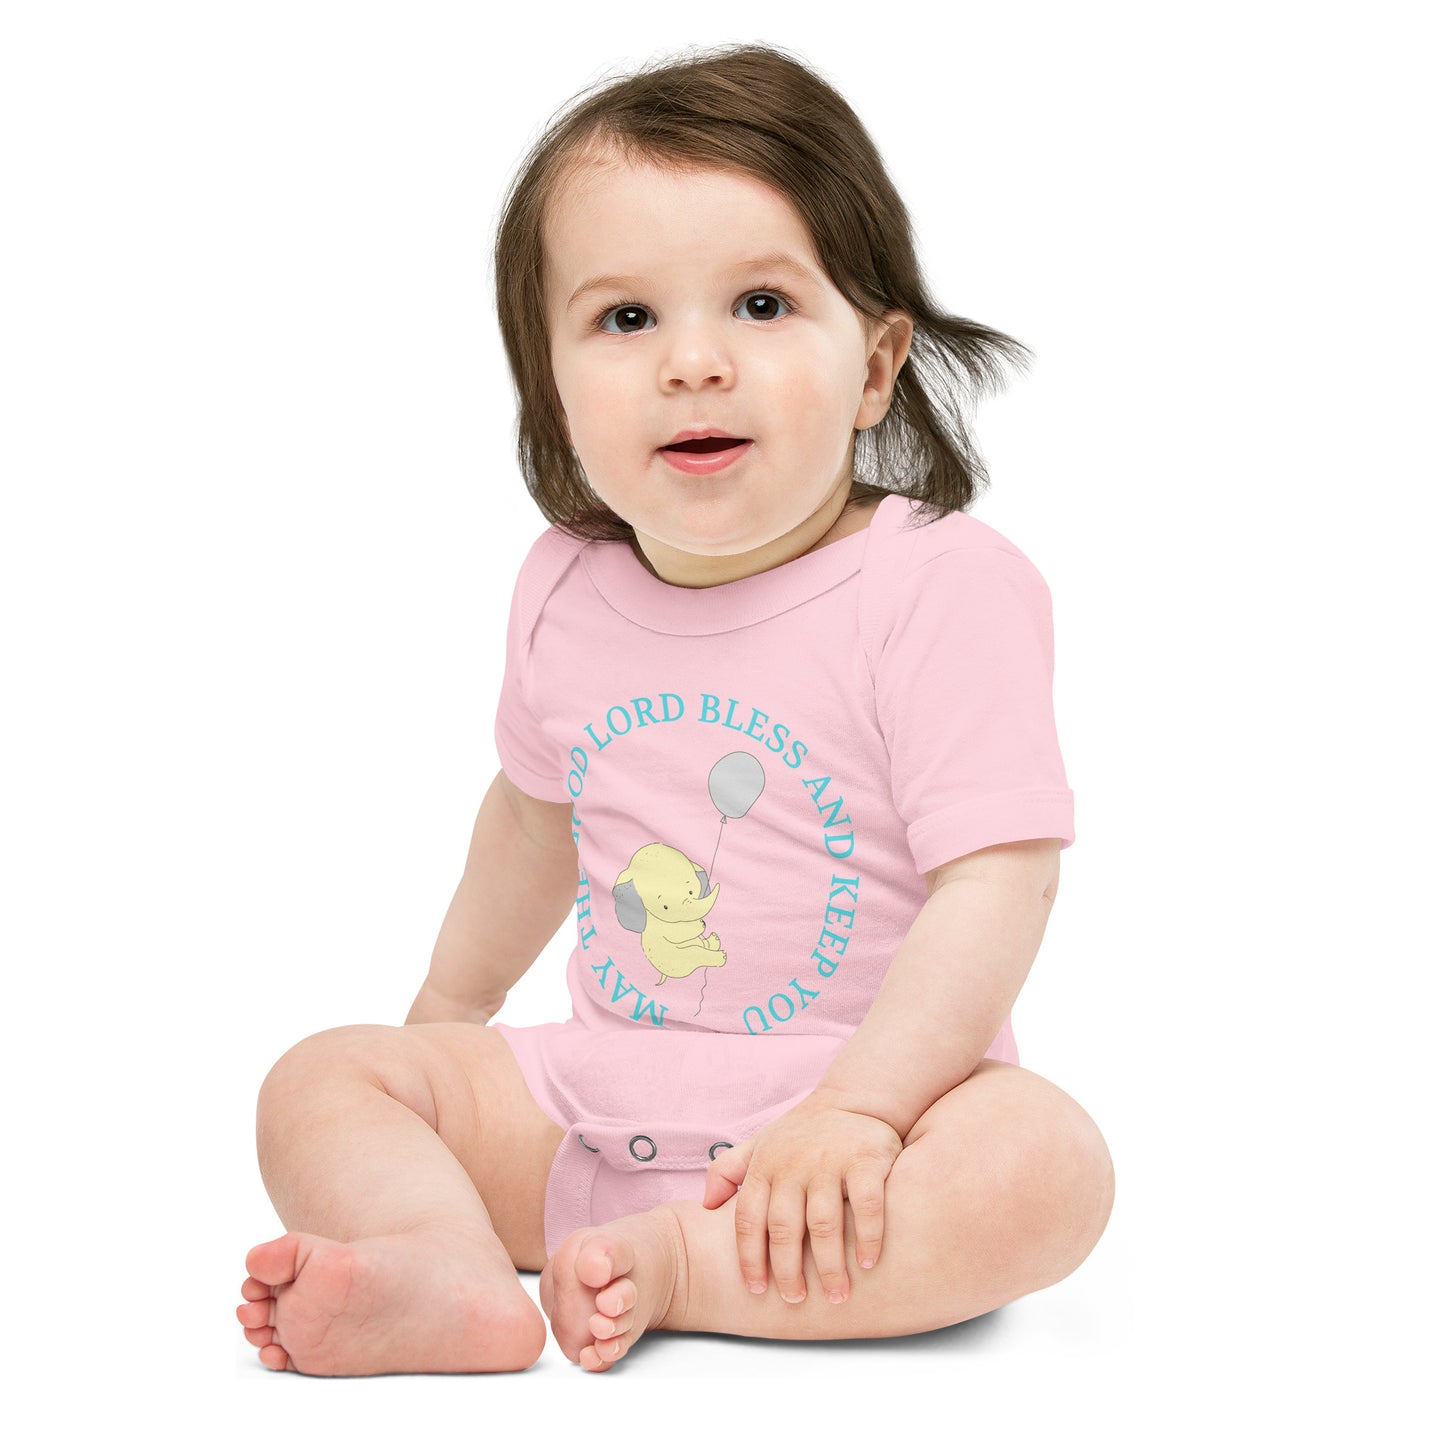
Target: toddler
[776,726]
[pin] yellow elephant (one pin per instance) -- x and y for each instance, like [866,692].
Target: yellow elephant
[663,895]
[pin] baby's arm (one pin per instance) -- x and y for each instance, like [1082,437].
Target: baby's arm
[950,985]
[519,884]
[943,1000]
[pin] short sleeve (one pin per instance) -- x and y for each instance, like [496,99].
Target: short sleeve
[965,703]
[527,756]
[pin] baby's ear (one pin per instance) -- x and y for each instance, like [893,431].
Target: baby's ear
[890,350]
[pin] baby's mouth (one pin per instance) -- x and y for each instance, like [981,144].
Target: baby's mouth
[706,444]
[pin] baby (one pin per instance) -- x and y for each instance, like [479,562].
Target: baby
[782,740]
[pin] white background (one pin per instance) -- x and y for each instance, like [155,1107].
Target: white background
[261,523]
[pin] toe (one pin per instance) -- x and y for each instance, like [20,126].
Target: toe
[254,1313]
[254,1289]
[608,1327]
[275,1261]
[601,1355]
[617,1298]
[264,1336]
[599,1262]
[275,1358]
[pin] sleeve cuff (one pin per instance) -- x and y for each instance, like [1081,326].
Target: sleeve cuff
[535,785]
[978,823]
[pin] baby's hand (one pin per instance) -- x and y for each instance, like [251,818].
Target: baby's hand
[791,1178]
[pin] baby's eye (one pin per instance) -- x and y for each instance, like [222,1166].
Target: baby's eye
[632,319]
[632,314]
[767,298]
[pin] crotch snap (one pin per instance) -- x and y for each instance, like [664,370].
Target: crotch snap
[622,1145]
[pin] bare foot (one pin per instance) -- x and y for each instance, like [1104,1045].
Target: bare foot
[605,1287]
[397,1304]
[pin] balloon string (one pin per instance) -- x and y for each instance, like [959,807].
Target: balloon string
[722,823]
[713,864]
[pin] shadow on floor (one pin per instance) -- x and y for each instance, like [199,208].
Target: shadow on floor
[979,1332]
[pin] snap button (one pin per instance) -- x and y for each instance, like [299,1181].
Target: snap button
[721,1144]
[587,1146]
[632,1148]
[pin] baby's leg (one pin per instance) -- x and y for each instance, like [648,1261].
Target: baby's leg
[1003,1187]
[409,1167]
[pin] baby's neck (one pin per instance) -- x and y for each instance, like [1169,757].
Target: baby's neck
[687,569]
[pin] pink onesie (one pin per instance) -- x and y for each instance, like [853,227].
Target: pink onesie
[761,774]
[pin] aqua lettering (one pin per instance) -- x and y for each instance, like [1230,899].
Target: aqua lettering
[772,1008]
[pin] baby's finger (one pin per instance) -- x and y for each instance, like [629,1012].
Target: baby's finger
[787,1216]
[825,1234]
[865,1198]
[725,1174]
[750,1223]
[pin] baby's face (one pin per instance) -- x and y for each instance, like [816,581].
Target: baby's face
[695,332]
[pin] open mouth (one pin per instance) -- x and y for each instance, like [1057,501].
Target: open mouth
[706,444]
[706,456]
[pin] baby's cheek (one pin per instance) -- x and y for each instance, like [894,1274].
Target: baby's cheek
[827,393]
[796,392]
[606,432]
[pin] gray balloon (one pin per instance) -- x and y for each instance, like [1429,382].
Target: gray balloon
[736,783]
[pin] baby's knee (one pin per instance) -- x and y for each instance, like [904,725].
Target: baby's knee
[325,1055]
[1064,1179]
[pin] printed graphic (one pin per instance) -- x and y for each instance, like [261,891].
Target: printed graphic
[664,896]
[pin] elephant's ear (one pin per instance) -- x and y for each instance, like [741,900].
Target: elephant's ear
[631,911]
[701,880]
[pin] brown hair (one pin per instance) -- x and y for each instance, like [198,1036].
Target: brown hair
[754,110]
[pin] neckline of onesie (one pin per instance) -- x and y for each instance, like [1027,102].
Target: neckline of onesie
[630,589]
